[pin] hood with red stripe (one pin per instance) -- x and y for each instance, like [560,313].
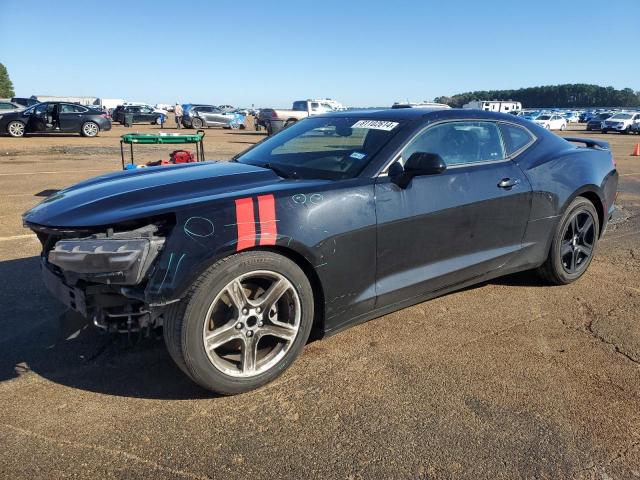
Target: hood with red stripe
[114,198]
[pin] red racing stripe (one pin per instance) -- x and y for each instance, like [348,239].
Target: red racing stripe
[245,222]
[268,224]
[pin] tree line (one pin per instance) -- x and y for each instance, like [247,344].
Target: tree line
[577,95]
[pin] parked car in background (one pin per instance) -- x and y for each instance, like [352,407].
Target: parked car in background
[620,122]
[55,117]
[25,102]
[275,120]
[141,114]
[7,106]
[551,122]
[635,128]
[198,116]
[530,115]
[571,117]
[595,122]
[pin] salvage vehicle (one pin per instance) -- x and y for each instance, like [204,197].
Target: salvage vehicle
[275,120]
[198,116]
[55,117]
[241,261]
[621,122]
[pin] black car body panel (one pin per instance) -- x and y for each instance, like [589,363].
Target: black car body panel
[368,245]
[56,117]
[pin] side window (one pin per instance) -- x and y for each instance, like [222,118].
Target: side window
[460,143]
[515,137]
[6,105]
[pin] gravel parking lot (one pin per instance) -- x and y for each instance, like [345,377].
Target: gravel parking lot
[509,379]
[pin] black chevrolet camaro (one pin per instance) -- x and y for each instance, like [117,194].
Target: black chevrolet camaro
[338,219]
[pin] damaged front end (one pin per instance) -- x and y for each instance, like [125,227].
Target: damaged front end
[102,274]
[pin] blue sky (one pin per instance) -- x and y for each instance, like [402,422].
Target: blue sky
[268,53]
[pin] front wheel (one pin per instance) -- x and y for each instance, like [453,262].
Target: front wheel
[196,123]
[16,129]
[563,127]
[573,244]
[242,323]
[89,129]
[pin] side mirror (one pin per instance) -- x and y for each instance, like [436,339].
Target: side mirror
[419,163]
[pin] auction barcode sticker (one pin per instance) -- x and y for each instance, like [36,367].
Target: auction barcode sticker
[375,125]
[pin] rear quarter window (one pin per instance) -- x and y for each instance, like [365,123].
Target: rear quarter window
[515,138]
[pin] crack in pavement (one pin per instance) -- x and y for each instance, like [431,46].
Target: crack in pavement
[588,330]
[110,451]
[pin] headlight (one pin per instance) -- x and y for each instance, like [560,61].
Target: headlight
[121,261]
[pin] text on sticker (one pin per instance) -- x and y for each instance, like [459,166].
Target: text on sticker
[375,125]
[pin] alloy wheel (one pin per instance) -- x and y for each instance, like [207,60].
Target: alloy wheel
[578,241]
[90,129]
[16,129]
[252,324]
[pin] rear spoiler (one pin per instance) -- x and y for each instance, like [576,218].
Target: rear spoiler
[597,144]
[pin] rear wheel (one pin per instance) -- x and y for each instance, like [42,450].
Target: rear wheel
[89,129]
[563,127]
[290,122]
[573,243]
[242,323]
[16,129]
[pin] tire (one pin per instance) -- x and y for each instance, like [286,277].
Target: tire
[288,123]
[187,324]
[555,268]
[563,127]
[89,129]
[196,123]
[16,129]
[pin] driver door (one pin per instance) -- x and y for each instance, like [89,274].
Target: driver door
[446,228]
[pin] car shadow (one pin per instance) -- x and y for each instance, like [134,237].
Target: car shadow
[37,336]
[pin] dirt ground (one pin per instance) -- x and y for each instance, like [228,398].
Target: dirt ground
[510,379]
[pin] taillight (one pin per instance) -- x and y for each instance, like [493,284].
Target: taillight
[104,115]
[274,114]
[613,162]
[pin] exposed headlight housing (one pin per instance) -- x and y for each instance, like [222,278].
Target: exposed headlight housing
[122,261]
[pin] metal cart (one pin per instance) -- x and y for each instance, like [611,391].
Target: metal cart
[162,138]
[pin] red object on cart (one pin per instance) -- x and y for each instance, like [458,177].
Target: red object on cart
[182,156]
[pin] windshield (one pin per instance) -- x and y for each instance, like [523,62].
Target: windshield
[318,147]
[621,116]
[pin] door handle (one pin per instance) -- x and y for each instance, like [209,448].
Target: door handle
[508,183]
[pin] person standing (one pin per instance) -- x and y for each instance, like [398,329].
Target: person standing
[178,113]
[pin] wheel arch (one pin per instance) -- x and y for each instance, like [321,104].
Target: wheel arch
[590,192]
[311,274]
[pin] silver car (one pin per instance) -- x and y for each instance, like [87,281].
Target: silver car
[199,116]
[7,106]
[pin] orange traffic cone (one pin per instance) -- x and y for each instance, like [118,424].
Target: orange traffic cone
[636,151]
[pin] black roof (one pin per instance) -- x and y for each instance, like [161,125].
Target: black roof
[408,114]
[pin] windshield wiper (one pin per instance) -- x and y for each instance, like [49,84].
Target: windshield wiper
[279,171]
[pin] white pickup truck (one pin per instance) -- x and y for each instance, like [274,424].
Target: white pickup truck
[275,120]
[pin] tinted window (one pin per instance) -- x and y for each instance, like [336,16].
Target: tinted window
[459,142]
[301,106]
[6,105]
[68,108]
[514,137]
